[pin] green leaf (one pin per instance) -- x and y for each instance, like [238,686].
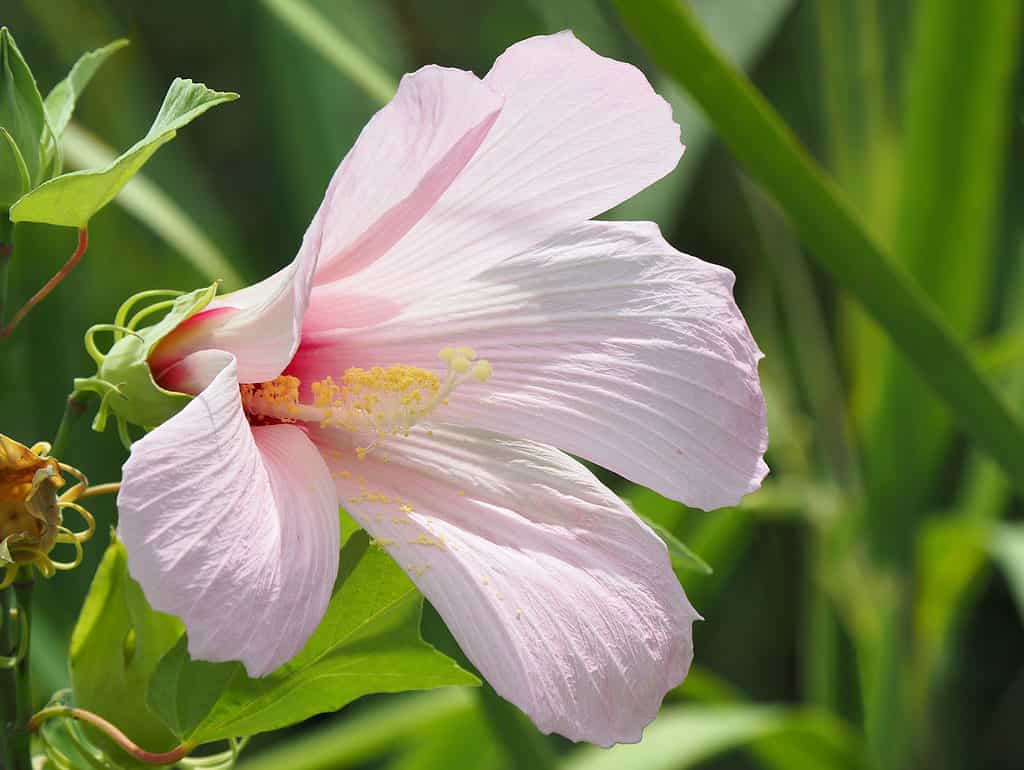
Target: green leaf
[14,178]
[681,555]
[368,642]
[72,199]
[21,115]
[115,647]
[60,102]
[825,222]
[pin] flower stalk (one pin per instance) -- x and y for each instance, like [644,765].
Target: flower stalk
[6,250]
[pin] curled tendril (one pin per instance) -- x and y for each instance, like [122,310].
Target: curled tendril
[122,313]
[66,536]
[90,339]
[148,311]
[90,522]
[14,616]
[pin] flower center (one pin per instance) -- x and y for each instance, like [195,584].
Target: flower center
[386,401]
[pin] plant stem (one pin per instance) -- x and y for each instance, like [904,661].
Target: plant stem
[6,250]
[123,741]
[39,296]
[73,409]
[16,690]
[8,678]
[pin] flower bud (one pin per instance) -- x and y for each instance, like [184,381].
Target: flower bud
[123,377]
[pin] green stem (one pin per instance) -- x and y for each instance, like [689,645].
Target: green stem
[16,688]
[6,250]
[8,678]
[73,409]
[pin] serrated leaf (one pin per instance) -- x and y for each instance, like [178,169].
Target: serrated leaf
[115,647]
[21,112]
[368,642]
[70,200]
[60,102]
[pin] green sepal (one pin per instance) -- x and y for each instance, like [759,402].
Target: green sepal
[22,116]
[124,378]
[70,200]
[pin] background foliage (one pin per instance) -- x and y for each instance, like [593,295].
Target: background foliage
[862,608]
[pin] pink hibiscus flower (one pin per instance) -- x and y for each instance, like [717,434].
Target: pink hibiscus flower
[459,224]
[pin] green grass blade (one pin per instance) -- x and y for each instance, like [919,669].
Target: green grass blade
[375,733]
[314,30]
[767,148]
[153,207]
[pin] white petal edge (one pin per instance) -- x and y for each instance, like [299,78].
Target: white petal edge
[231,528]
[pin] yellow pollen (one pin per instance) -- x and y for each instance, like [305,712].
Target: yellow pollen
[377,403]
[482,370]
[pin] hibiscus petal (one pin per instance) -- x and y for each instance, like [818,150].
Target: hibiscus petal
[233,529]
[607,343]
[404,160]
[578,134]
[556,591]
[260,325]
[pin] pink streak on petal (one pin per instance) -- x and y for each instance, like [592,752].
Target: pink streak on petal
[404,160]
[607,343]
[232,529]
[559,594]
[400,218]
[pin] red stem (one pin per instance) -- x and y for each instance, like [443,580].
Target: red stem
[147,757]
[39,296]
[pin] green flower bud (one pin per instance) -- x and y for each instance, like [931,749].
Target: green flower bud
[123,377]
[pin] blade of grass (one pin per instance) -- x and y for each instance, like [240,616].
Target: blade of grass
[379,731]
[958,111]
[825,222]
[152,206]
[306,22]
